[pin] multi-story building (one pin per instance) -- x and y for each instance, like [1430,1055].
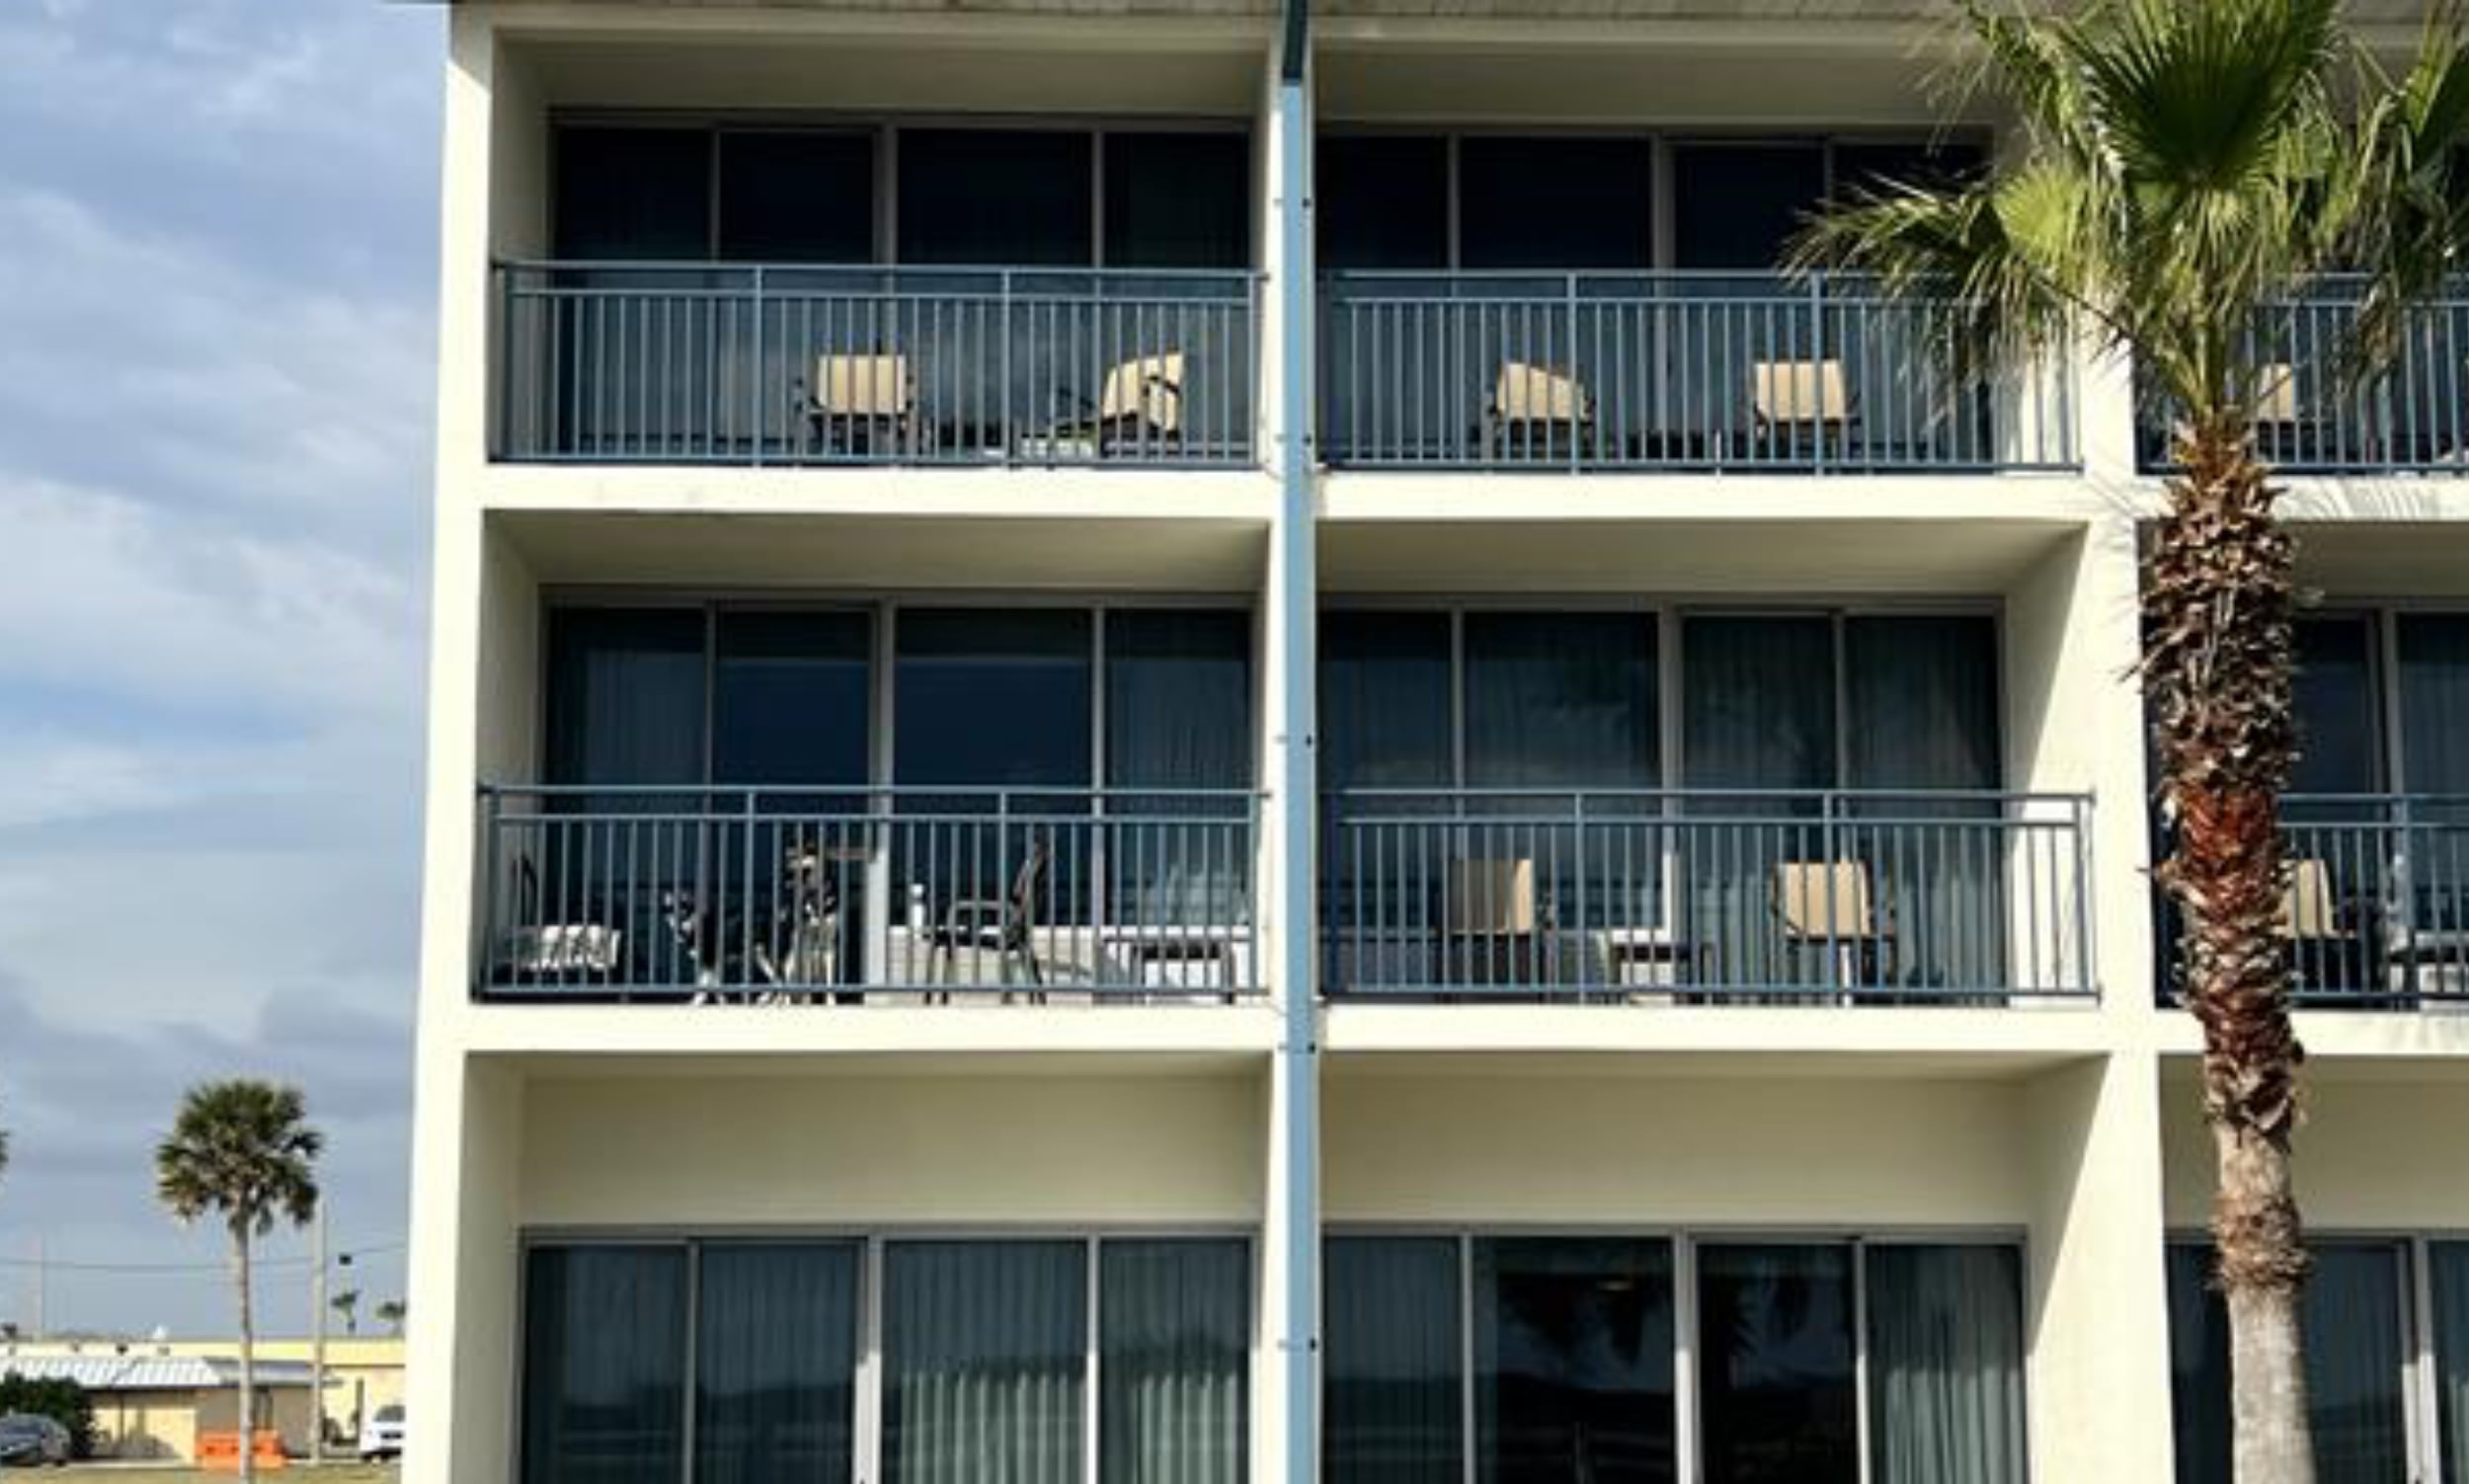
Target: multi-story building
[1175,742]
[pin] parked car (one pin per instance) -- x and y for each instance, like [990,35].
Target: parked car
[27,1440]
[381,1436]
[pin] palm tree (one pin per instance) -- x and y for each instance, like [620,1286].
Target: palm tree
[242,1151]
[390,1314]
[2185,165]
[348,1305]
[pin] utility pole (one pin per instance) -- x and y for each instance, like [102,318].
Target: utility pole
[317,1336]
[43,1288]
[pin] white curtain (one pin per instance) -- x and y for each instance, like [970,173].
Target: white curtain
[1945,1359]
[1173,1362]
[985,1355]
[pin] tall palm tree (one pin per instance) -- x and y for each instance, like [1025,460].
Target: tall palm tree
[348,1305]
[2184,165]
[244,1151]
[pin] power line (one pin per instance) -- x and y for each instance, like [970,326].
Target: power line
[58,1265]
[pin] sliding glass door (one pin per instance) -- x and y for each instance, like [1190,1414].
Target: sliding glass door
[1539,1360]
[604,1380]
[982,1361]
[776,1362]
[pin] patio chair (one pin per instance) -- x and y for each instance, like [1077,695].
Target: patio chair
[1534,412]
[1142,403]
[1493,923]
[2329,954]
[1798,404]
[802,948]
[863,403]
[565,953]
[1007,927]
[1828,906]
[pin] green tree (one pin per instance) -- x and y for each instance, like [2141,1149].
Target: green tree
[242,1152]
[390,1314]
[2184,165]
[348,1305]
[61,1399]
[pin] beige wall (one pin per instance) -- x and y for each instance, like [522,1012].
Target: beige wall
[2379,1150]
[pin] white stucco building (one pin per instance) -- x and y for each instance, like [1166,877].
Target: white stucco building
[1173,743]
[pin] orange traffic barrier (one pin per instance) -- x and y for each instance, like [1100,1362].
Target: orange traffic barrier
[219,1453]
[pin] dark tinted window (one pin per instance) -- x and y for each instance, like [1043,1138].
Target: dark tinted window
[1554,203]
[1392,1399]
[1869,166]
[797,197]
[1574,1361]
[1179,699]
[1736,206]
[1382,201]
[996,197]
[1775,1323]
[1556,699]
[626,700]
[1178,201]
[994,696]
[776,1362]
[632,193]
[1385,699]
[2338,751]
[604,1350]
[791,696]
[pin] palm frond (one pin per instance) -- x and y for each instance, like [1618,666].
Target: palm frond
[241,1151]
[2415,173]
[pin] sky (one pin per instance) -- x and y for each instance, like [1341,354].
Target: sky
[217,269]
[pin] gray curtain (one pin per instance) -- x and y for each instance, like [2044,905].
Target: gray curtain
[2434,715]
[985,1362]
[1391,1398]
[2451,1262]
[1173,1362]
[775,1361]
[604,1385]
[1920,714]
[1946,1364]
[1178,716]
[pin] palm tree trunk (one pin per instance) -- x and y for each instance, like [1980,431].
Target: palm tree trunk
[248,1352]
[2219,603]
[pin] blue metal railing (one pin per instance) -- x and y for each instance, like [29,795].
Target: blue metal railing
[2377,902]
[1667,371]
[2314,418]
[1832,896]
[822,894]
[725,363]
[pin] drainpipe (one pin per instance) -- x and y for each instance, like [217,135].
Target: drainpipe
[1298,793]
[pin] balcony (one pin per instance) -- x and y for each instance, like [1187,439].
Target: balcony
[2313,418]
[1834,898]
[779,896]
[2377,902]
[1674,371]
[775,366]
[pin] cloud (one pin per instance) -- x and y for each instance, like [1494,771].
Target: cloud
[215,387]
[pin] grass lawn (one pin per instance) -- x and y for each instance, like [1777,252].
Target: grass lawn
[149,1473]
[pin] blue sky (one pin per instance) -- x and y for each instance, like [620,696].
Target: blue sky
[218,263]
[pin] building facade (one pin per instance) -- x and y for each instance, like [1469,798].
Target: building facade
[1177,741]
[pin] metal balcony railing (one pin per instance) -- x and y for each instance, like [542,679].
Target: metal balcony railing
[2377,902]
[713,364]
[816,896]
[1667,371]
[2314,418]
[1831,898]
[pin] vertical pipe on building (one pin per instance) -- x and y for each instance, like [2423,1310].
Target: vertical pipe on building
[1297,787]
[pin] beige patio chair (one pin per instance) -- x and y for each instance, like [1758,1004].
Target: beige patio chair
[1799,394]
[1828,906]
[2276,406]
[2307,905]
[854,398]
[1493,923]
[1140,402]
[1538,405]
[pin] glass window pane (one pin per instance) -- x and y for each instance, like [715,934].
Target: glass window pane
[1385,699]
[1561,699]
[1174,1360]
[1946,1364]
[1736,206]
[2356,1359]
[776,1355]
[1775,1323]
[985,1358]
[1920,702]
[797,197]
[632,194]
[992,697]
[1873,167]
[1574,1361]
[1554,203]
[2338,751]
[1178,201]
[1758,703]
[2450,1278]
[1382,201]
[1390,1397]
[1178,698]
[995,197]
[793,696]
[604,1386]
[626,697]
